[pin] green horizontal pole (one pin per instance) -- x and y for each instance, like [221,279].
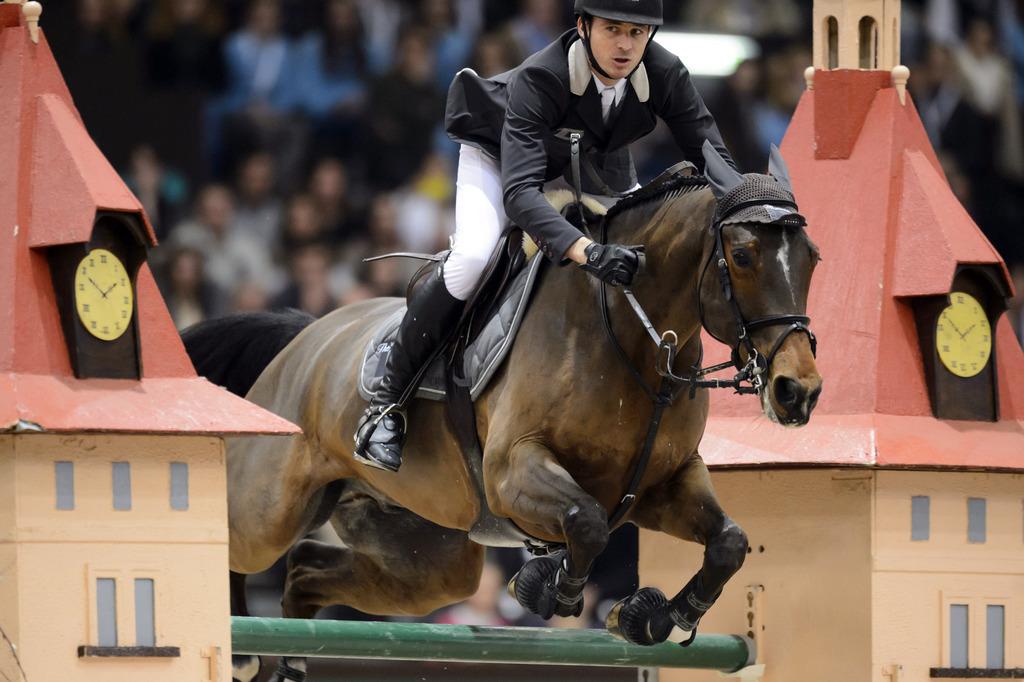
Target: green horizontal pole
[466,643]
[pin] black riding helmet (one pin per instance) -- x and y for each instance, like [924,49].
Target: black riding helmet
[646,12]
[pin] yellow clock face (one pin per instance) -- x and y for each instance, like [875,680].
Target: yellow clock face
[103,295]
[963,336]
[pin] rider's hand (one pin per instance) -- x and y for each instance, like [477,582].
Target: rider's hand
[613,263]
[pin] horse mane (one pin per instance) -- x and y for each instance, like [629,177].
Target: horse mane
[652,195]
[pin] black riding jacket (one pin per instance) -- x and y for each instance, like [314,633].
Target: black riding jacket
[524,118]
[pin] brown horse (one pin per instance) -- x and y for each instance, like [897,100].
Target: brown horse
[560,424]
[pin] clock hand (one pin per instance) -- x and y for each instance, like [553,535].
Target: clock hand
[963,335]
[109,290]
[102,293]
[953,325]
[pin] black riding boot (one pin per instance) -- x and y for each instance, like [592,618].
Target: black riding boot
[431,315]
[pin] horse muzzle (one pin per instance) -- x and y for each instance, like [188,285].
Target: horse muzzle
[790,400]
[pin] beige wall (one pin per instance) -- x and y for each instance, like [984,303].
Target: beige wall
[60,554]
[8,559]
[815,528]
[915,582]
[847,594]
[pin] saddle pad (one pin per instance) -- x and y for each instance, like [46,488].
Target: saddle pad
[481,359]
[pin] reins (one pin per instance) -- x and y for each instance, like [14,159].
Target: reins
[748,380]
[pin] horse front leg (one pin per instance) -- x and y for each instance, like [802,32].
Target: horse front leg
[684,507]
[542,497]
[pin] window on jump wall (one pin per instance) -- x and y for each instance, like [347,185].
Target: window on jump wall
[144,602]
[122,484]
[976,623]
[64,472]
[179,486]
[124,617]
[920,518]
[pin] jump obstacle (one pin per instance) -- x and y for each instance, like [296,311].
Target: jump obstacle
[472,644]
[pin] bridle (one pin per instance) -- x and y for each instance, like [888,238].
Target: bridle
[756,364]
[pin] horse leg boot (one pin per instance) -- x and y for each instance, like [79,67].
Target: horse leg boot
[686,508]
[431,314]
[542,497]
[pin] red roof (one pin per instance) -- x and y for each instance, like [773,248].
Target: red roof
[889,228]
[55,180]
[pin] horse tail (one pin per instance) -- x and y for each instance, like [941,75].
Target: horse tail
[233,351]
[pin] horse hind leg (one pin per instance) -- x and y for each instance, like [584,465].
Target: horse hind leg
[391,562]
[542,496]
[684,507]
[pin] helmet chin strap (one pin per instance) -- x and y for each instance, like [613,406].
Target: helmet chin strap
[593,60]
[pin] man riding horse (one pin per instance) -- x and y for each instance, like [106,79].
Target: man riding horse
[603,84]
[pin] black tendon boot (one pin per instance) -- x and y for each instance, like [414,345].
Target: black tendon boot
[431,315]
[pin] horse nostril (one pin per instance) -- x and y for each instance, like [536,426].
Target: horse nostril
[812,400]
[788,393]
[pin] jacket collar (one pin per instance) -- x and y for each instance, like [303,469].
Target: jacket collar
[580,74]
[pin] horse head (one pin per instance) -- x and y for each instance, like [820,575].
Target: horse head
[754,284]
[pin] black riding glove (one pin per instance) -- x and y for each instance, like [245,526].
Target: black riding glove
[613,263]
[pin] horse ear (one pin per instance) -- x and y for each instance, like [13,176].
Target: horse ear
[777,169]
[722,177]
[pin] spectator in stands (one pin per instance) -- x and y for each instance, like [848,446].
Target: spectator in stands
[1011,25]
[539,24]
[734,106]
[302,227]
[988,87]
[385,277]
[249,297]
[783,86]
[190,296]
[256,110]
[382,19]
[407,107]
[424,218]
[334,202]
[495,53]
[231,256]
[162,192]
[256,59]
[184,45]
[936,90]
[258,211]
[330,68]
[308,289]
[452,42]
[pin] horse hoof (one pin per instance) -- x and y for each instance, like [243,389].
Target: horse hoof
[245,667]
[290,670]
[641,618]
[534,585]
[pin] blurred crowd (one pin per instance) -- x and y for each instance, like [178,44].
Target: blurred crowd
[277,143]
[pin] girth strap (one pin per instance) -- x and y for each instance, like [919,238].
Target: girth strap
[662,400]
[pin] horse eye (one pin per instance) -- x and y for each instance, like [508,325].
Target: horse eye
[741,258]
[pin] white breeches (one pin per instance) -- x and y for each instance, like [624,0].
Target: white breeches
[479,221]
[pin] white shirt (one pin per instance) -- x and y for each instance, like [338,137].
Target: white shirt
[610,94]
